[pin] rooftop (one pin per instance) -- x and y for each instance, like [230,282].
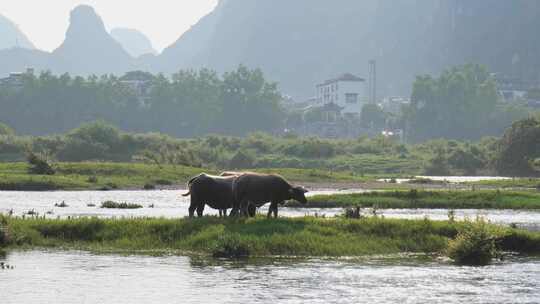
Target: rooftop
[343,77]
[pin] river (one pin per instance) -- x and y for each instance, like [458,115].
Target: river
[80,277]
[170,204]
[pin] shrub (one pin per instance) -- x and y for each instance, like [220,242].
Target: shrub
[92,179]
[115,205]
[4,234]
[163,182]
[149,186]
[475,244]
[352,213]
[5,130]
[230,246]
[241,160]
[38,165]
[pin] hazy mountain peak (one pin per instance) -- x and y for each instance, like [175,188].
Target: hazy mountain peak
[12,36]
[85,21]
[88,47]
[133,41]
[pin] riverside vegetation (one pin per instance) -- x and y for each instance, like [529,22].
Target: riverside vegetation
[98,155]
[399,199]
[308,236]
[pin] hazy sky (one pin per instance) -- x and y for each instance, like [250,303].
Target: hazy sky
[163,21]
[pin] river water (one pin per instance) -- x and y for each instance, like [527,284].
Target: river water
[170,204]
[80,277]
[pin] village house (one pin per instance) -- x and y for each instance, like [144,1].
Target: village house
[141,84]
[347,91]
[15,79]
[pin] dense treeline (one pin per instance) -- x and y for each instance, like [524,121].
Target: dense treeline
[517,153]
[190,103]
[462,103]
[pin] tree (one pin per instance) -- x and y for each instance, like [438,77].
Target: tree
[519,148]
[190,103]
[5,130]
[457,105]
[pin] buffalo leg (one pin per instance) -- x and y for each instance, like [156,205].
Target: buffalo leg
[191,211]
[193,205]
[252,210]
[272,209]
[244,208]
[200,210]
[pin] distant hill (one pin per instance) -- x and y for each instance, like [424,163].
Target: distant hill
[302,42]
[133,41]
[11,35]
[88,47]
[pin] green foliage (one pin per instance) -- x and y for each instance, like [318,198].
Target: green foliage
[438,164]
[241,160]
[4,233]
[5,130]
[190,104]
[475,244]
[519,148]
[486,199]
[460,104]
[99,141]
[256,237]
[230,246]
[39,165]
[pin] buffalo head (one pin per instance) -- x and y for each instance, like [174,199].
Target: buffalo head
[298,194]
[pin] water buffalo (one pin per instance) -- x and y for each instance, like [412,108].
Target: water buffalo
[259,189]
[214,191]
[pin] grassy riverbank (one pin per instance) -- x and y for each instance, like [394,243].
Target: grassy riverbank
[254,237]
[97,175]
[484,199]
[510,183]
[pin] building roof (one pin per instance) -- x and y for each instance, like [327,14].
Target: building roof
[137,76]
[331,107]
[343,77]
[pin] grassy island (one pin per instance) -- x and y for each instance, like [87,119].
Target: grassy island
[255,237]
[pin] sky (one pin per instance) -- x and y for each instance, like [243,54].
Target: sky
[45,21]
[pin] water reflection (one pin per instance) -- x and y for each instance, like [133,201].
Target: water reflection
[78,277]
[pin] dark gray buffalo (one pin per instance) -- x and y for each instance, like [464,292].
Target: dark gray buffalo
[214,191]
[251,189]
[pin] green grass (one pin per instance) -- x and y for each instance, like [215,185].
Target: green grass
[97,175]
[484,199]
[256,237]
[510,183]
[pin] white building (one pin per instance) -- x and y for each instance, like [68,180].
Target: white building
[394,104]
[140,83]
[347,91]
[15,80]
